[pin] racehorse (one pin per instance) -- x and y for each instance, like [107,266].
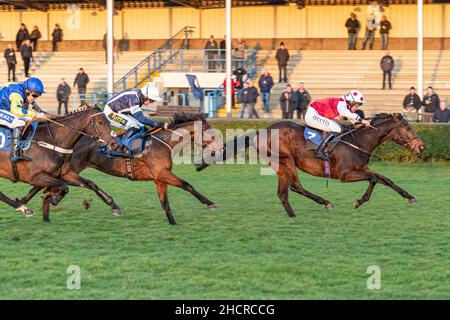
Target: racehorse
[50,151]
[350,156]
[155,163]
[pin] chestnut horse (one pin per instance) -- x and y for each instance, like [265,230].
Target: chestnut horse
[349,155]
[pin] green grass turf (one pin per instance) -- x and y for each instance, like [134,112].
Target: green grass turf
[247,249]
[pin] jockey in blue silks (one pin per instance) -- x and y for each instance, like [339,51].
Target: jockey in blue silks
[125,109]
[16,107]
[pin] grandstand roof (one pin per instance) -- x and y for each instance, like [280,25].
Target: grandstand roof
[44,5]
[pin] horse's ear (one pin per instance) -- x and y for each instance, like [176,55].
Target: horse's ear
[397,116]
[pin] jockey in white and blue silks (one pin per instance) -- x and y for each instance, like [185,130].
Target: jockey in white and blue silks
[125,109]
[16,107]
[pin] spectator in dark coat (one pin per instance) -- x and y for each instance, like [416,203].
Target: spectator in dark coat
[241,76]
[26,51]
[223,52]
[34,37]
[442,114]
[62,94]
[10,57]
[385,27]
[211,52]
[81,80]
[57,36]
[22,35]
[239,53]
[411,102]
[249,95]
[352,24]
[287,102]
[371,27]
[302,100]
[265,84]
[282,57]
[430,101]
[387,65]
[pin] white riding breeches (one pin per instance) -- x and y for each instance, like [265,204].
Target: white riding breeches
[315,120]
[11,121]
[120,120]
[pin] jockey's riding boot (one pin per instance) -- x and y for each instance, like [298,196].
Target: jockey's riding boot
[17,155]
[320,153]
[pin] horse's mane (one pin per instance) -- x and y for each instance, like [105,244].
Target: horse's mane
[383,116]
[183,117]
[82,108]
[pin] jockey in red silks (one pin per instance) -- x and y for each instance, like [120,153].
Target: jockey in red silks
[321,113]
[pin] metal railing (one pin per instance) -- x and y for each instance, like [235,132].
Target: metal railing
[143,71]
[99,99]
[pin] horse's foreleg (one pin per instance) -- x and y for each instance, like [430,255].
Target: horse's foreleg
[387,182]
[161,187]
[75,179]
[283,190]
[171,179]
[16,205]
[30,195]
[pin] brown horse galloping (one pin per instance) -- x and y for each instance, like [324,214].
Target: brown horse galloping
[155,163]
[349,157]
[50,154]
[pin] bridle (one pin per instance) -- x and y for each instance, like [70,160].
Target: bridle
[390,134]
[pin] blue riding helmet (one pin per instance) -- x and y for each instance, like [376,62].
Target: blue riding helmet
[34,84]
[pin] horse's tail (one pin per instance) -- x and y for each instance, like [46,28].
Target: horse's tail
[231,148]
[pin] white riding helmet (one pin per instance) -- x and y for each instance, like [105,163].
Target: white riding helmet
[355,97]
[151,92]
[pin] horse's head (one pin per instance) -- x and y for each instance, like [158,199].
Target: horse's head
[99,127]
[398,129]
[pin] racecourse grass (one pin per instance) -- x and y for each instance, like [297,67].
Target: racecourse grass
[247,249]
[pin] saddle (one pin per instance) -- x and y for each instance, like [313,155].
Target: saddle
[134,145]
[24,144]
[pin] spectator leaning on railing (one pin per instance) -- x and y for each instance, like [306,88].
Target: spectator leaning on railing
[239,54]
[430,101]
[211,51]
[442,114]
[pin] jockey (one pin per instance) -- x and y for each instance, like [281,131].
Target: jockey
[321,112]
[16,107]
[124,110]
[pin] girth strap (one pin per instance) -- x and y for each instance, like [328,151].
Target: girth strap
[129,166]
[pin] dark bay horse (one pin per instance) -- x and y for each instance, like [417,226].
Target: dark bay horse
[155,163]
[349,157]
[50,152]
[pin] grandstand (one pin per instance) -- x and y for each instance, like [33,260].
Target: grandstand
[317,49]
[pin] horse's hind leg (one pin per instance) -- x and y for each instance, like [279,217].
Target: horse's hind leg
[283,189]
[161,187]
[171,179]
[16,205]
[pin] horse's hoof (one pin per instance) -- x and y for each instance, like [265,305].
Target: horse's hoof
[413,201]
[117,212]
[329,206]
[26,211]
[212,207]
[357,204]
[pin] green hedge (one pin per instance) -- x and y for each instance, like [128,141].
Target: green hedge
[435,137]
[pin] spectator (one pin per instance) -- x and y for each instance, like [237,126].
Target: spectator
[26,51]
[411,102]
[10,57]
[239,53]
[241,77]
[81,80]
[57,36]
[302,100]
[249,95]
[371,27]
[105,41]
[21,36]
[265,84]
[34,37]
[234,83]
[385,27]
[282,57]
[442,114]
[223,52]
[62,94]
[211,51]
[287,102]
[387,65]
[352,24]
[430,101]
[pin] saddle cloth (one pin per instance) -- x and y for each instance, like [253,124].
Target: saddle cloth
[134,144]
[6,137]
